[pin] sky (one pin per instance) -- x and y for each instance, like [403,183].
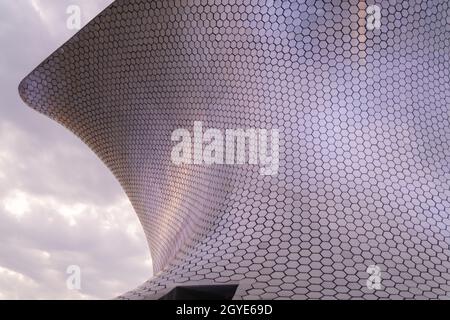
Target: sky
[59,204]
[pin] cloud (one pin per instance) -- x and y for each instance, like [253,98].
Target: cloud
[59,205]
[39,243]
[54,213]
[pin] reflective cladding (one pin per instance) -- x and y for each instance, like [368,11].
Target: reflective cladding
[363,117]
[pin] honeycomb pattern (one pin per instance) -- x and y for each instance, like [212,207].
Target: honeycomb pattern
[363,117]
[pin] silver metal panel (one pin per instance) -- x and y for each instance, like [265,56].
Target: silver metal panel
[364,151]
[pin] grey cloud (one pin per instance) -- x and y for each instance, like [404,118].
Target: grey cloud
[54,172]
[41,243]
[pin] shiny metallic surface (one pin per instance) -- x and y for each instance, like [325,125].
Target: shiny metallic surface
[363,115]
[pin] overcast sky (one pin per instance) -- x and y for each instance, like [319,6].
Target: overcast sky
[59,205]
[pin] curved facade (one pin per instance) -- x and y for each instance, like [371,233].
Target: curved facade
[363,116]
